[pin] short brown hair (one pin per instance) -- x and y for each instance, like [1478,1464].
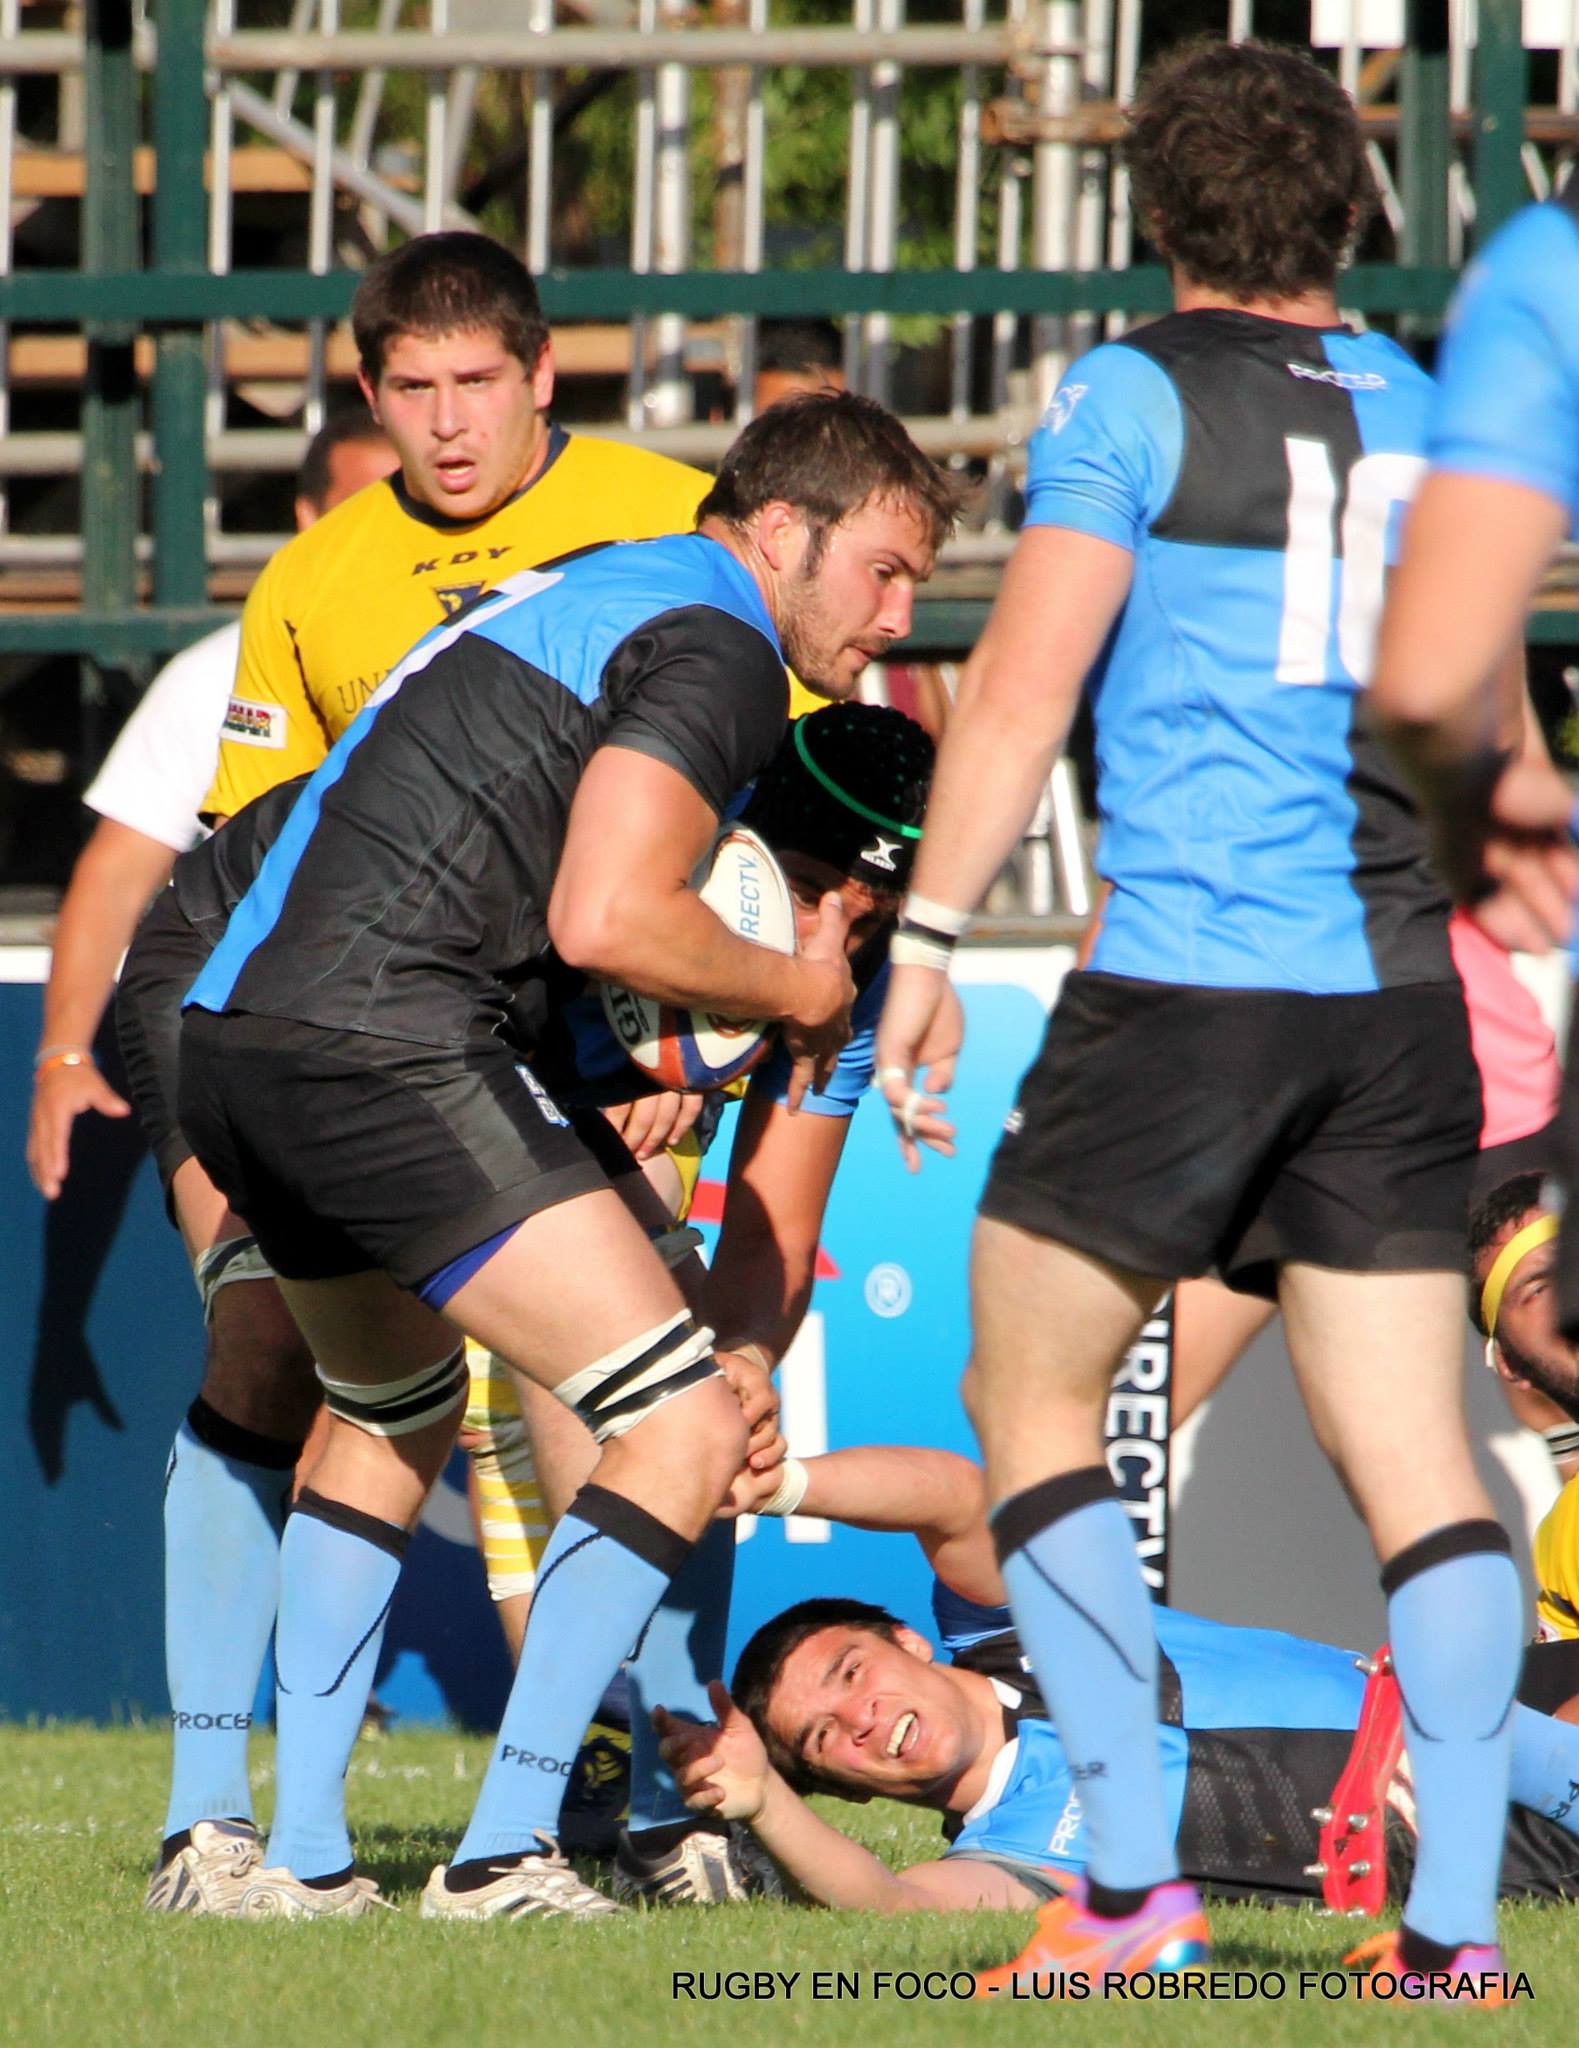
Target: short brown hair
[1248,166]
[828,453]
[447,283]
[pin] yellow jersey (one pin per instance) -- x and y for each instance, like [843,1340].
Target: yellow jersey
[1557,1570]
[340,604]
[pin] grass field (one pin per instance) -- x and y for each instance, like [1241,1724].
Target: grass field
[80,1961]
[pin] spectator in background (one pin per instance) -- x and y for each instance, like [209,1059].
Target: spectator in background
[796,355]
[146,796]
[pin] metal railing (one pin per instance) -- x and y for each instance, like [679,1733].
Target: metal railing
[372,128]
[379,123]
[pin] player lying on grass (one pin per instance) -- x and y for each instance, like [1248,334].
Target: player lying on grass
[1255,1728]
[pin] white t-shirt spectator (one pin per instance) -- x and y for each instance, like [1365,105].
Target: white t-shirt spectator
[162,765]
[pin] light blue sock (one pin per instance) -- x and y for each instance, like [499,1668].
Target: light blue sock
[604,1571]
[683,1648]
[1545,1774]
[338,1571]
[1067,1549]
[224,1506]
[1454,1622]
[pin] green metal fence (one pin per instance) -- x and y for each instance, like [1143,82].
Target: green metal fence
[115,297]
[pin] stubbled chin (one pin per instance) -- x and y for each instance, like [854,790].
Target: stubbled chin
[837,687]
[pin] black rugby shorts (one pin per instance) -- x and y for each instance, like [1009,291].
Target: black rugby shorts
[1173,1130]
[345,1152]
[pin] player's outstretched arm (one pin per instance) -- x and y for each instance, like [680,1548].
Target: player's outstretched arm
[1060,595]
[722,1768]
[781,1168]
[938,1497]
[116,873]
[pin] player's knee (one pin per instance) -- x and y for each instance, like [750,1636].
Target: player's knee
[227,1263]
[258,1369]
[632,1383]
[401,1407]
[699,1442]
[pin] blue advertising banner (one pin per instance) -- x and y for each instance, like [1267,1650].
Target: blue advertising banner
[103,1349]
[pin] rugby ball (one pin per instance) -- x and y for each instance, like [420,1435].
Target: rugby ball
[741,883]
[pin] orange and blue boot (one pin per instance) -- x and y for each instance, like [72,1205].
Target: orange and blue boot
[1166,1934]
[1475,1976]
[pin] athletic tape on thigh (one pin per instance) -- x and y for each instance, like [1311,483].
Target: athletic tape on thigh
[512,1520]
[396,1407]
[616,1391]
[233,1258]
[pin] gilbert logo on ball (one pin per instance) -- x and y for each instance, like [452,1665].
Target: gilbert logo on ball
[695,1049]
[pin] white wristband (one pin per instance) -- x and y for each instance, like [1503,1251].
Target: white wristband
[791,1490]
[910,949]
[942,917]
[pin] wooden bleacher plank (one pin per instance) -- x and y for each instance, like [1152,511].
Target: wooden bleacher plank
[269,358]
[62,174]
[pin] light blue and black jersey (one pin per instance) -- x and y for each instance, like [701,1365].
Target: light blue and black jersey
[1254,832]
[1254,1727]
[406,893]
[1508,399]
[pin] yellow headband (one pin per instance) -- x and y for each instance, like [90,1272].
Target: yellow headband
[1541,1231]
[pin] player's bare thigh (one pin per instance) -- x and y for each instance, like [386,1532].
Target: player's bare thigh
[1379,1358]
[571,1284]
[1049,1327]
[1212,1327]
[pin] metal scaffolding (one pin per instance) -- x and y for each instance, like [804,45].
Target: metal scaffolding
[359,121]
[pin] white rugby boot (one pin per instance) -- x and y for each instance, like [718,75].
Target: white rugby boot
[521,1887]
[712,1863]
[209,1874]
[278,1895]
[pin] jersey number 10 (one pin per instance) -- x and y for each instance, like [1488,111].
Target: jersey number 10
[1344,570]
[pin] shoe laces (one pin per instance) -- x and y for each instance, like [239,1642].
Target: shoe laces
[554,1878]
[231,1847]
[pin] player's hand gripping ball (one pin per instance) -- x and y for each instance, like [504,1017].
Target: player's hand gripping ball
[696,1049]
